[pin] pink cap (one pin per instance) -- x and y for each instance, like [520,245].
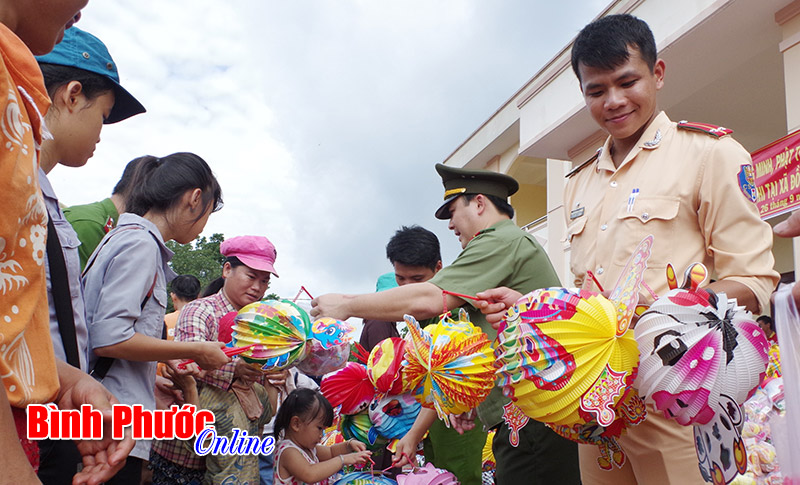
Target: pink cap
[255,252]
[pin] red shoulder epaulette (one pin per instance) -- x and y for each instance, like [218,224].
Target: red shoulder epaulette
[581,166]
[708,129]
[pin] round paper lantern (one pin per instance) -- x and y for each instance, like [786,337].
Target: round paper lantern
[393,416]
[449,366]
[280,328]
[696,346]
[384,364]
[561,359]
[349,388]
[360,427]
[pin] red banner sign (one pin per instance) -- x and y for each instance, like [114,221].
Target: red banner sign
[777,176]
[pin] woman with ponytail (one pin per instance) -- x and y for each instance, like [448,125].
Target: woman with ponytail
[125,284]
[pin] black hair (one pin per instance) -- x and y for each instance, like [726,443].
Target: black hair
[124,184]
[217,284]
[606,43]
[306,404]
[56,76]
[186,287]
[159,183]
[768,320]
[500,204]
[414,246]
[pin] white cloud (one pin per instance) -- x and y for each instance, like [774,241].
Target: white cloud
[322,119]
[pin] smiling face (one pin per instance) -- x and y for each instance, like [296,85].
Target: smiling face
[623,100]
[244,285]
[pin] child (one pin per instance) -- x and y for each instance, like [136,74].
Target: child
[85,93]
[299,425]
[125,284]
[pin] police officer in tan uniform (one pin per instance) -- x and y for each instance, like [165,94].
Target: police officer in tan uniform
[690,185]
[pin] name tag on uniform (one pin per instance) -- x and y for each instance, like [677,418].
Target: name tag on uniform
[576,213]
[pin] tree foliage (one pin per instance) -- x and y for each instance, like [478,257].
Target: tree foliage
[200,258]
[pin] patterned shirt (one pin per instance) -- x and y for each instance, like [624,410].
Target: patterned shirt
[27,362]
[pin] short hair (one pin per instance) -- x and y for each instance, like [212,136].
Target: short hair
[186,287]
[499,203]
[414,246]
[768,320]
[606,42]
[56,75]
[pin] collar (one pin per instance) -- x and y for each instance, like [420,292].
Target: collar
[494,227]
[226,302]
[650,140]
[109,208]
[136,220]
[47,188]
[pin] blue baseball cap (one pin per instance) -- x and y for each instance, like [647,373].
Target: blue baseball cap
[82,50]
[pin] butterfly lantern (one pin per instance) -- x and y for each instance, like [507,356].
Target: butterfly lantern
[702,356]
[568,358]
[448,366]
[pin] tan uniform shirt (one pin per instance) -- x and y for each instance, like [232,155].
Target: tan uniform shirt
[682,187]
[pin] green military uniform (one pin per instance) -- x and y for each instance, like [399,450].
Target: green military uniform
[91,222]
[504,255]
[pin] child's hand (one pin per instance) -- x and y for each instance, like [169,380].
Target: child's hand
[356,445]
[356,457]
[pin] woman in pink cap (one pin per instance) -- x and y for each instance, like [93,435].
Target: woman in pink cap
[236,392]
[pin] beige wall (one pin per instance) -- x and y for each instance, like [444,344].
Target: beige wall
[530,203]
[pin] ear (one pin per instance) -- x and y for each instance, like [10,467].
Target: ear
[658,71]
[438,267]
[295,423]
[195,198]
[480,204]
[226,270]
[72,94]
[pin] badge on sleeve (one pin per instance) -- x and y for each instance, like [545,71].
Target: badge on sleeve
[747,182]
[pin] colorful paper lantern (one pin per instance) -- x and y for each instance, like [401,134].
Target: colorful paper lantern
[328,347]
[695,347]
[349,388]
[384,364]
[280,328]
[393,416]
[364,478]
[360,427]
[449,366]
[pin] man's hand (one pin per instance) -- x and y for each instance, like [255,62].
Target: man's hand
[790,227]
[102,459]
[464,421]
[494,303]
[331,305]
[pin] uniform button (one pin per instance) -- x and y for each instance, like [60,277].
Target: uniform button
[599,270]
[604,227]
[645,216]
[613,183]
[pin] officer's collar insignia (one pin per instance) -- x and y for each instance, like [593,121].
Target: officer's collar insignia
[655,141]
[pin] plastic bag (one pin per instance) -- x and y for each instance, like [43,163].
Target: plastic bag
[786,435]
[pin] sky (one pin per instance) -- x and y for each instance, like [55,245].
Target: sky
[323,119]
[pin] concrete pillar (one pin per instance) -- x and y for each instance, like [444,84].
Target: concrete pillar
[556,227]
